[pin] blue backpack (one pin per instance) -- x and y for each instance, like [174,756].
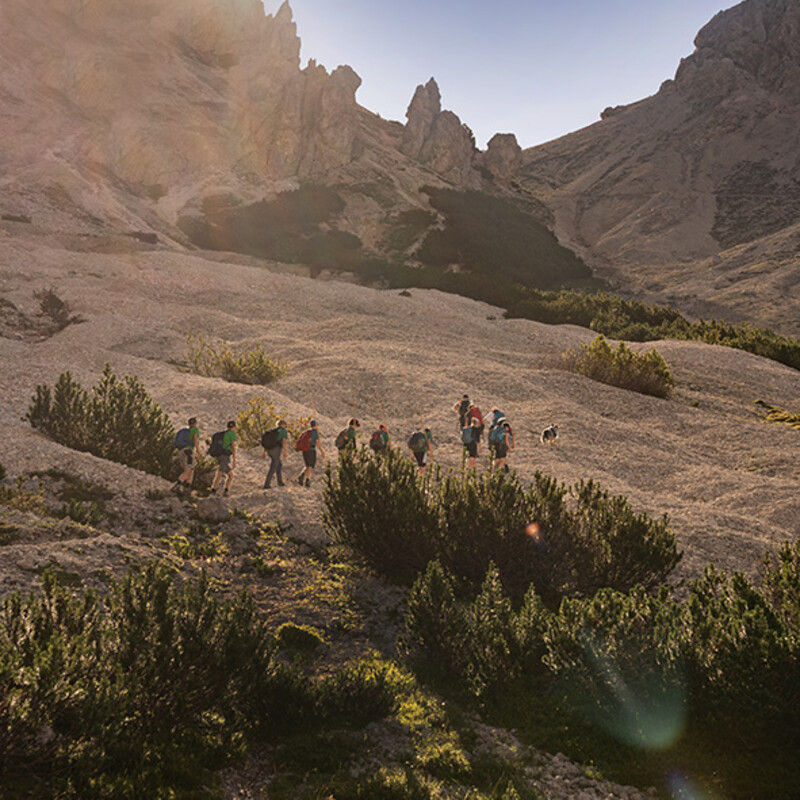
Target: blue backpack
[182,440]
[497,434]
[468,435]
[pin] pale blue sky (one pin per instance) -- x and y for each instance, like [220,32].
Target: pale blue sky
[537,69]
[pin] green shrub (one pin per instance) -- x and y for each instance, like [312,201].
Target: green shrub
[143,692]
[2,472]
[565,542]
[303,638]
[717,671]
[84,514]
[496,237]
[56,309]
[118,421]
[249,366]
[647,373]
[777,414]
[633,320]
[23,499]
[259,416]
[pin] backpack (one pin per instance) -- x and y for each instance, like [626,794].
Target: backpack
[376,442]
[497,434]
[341,439]
[417,442]
[182,440]
[303,444]
[269,439]
[467,435]
[475,413]
[216,447]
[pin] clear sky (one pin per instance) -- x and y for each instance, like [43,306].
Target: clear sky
[536,68]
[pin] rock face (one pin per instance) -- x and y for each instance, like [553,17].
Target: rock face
[437,138]
[503,156]
[131,115]
[690,175]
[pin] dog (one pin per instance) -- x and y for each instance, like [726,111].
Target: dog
[549,435]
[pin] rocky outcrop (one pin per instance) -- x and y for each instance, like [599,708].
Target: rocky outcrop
[437,138]
[503,156]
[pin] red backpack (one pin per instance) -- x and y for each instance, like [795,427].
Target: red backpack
[304,442]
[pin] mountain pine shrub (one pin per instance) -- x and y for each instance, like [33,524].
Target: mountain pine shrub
[118,421]
[646,373]
[567,542]
[143,692]
[250,366]
[259,416]
[716,671]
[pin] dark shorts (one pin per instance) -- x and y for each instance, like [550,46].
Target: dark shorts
[500,450]
[310,458]
[471,449]
[224,462]
[421,457]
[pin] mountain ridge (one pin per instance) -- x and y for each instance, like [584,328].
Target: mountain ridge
[691,196]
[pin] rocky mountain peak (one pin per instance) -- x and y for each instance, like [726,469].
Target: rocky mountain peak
[438,139]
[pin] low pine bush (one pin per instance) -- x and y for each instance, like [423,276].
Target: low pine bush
[259,416]
[250,366]
[778,414]
[117,420]
[717,670]
[647,373]
[143,692]
[567,542]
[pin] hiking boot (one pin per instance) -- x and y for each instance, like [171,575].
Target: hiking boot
[224,492]
[308,484]
[213,491]
[281,483]
[176,487]
[267,486]
[301,478]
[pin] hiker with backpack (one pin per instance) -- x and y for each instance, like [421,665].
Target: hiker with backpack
[346,438]
[420,443]
[461,407]
[501,440]
[273,443]
[309,444]
[470,436]
[474,413]
[493,418]
[187,443]
[379,441]
[223,448]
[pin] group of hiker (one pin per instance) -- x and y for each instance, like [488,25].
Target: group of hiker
[275,444]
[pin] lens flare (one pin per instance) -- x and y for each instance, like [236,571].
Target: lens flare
[681,788]
[534,531]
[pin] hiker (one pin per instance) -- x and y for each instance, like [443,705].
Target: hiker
[462,409]
[420,443]
[474,413]
[309,444]
[346,439]
[470,436]
[224,450]
[502,441]
[187,443]
[273,443]
[493,418]
[379,441]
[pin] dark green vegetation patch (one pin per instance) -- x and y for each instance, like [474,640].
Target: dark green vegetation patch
[117,420]
[493,236]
